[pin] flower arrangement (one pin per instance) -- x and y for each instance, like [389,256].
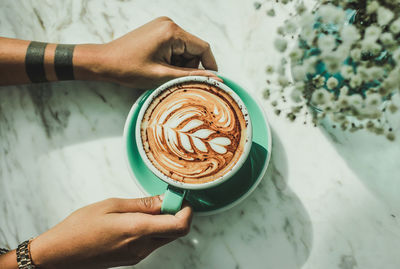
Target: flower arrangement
[345,64]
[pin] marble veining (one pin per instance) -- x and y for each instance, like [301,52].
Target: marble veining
[328,200]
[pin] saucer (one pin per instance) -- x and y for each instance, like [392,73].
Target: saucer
[225,195]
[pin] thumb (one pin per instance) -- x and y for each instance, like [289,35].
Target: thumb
[148,205]
[172,72]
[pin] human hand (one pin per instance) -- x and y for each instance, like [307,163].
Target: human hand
[109,233]
[151,55]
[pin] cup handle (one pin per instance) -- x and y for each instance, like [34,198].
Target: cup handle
[173,199]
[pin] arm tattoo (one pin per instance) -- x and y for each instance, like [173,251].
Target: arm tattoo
[63,62]
[34,62]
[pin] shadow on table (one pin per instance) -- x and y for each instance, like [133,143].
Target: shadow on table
[374,159]
[75,112]
[270,229]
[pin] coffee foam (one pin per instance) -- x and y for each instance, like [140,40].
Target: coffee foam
[193,132]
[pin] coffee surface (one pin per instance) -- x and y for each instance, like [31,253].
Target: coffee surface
[193,132]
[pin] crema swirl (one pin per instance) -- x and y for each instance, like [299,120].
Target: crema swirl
[193,132]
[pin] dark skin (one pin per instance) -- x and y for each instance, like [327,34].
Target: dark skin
[114,232]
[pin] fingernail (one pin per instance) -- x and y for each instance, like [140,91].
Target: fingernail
[161,197]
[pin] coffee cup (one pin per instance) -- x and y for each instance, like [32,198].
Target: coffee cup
[193,133]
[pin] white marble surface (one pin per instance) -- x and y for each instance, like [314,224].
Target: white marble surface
[328,200]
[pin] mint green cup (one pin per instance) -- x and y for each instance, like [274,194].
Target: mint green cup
[176,190]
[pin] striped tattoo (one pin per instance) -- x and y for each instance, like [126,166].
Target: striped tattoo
[63,62]
[34,62]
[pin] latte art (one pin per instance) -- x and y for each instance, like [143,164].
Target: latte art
[193,132]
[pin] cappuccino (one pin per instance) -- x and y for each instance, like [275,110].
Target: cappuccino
[193,132]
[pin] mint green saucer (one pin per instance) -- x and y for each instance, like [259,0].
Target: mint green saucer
[225,195]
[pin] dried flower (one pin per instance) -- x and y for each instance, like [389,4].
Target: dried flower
[280,44]
[341,67]
[384,16]
[299,73]
[395,26]
[326,43]
[320,97]
[349,34]
[346,71]
[372,33]
[271,12]
[332,83]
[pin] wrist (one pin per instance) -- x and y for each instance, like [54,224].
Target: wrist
[9,260]
[88,62]
[37,251]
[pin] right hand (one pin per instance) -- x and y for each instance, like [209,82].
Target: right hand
[113,232]
[150,55]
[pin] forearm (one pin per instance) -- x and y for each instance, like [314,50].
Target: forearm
[9,260]
[24,62]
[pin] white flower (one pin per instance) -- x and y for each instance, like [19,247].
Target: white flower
[372,32]
[296,54]
[355,54]
[310,64]
[343,101]
[373,100]
[271,12]
[280,30]
[342,52]
[301,8]
[369,45]
[331,14]
[346,71]
[318,81]
[321,97]
[395,26]
[396,56]
[269,69]
[299,73]
[283,81]
[296,96]
[338,16]
[362,72]
[290,27]
[344,91]
[386,38]
[356,101]
[384,16]
[332,62]
[375,72]
[300,86]
[281,70]
[332,83]
[307,34]
[372,7]
[349,34]
[355,81]
[326,11]
[307,20]
[326,43]
[280,44]
[391,82]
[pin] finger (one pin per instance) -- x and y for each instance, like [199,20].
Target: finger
[185,213]
[160,241]
[171,72]
[192,63]
[148,205]
[169,226]
[198,47]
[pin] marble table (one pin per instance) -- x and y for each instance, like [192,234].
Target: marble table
[328,200]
